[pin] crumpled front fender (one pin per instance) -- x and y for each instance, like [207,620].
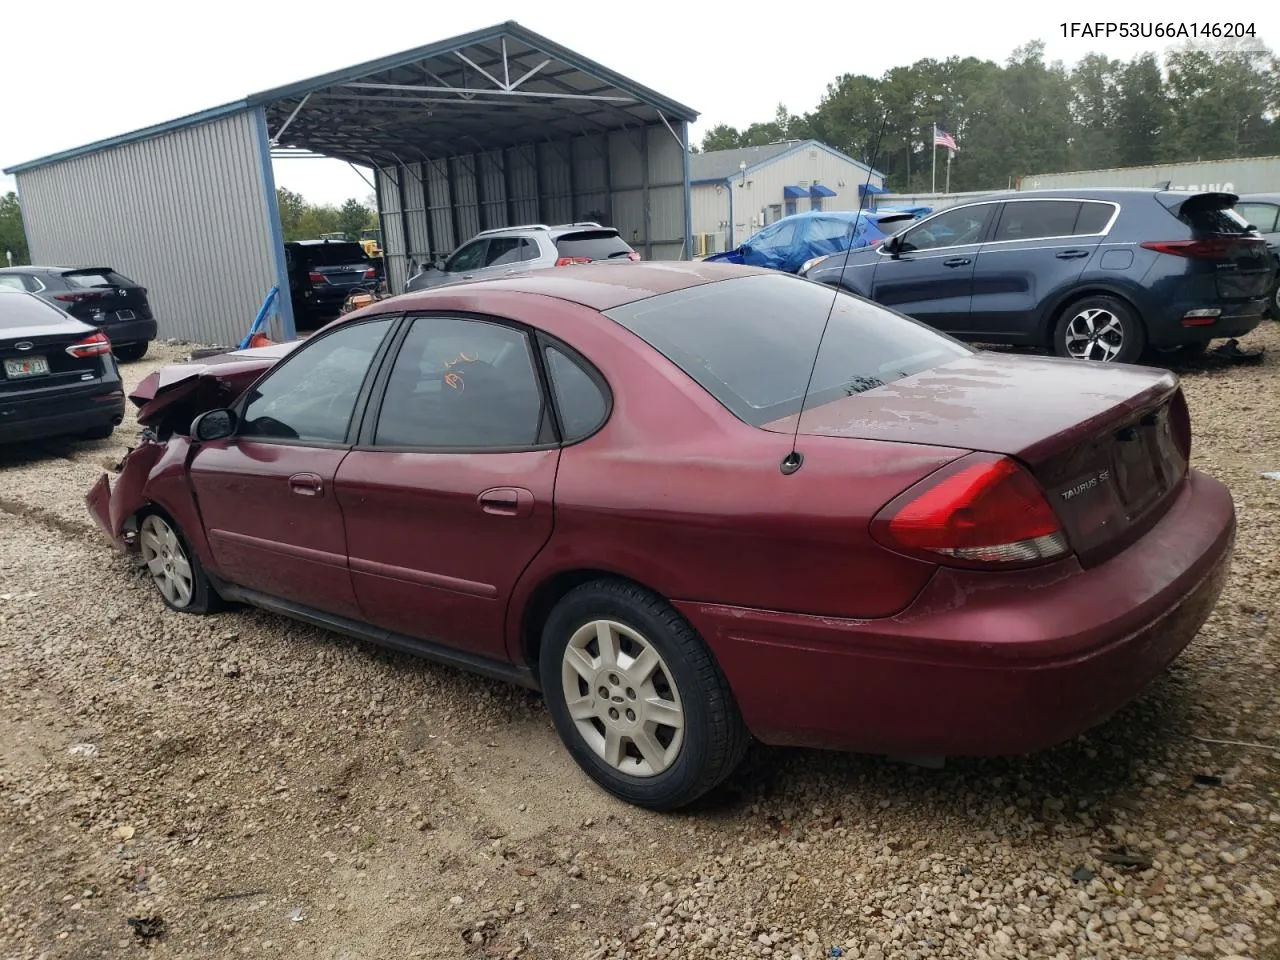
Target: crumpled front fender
[113,508]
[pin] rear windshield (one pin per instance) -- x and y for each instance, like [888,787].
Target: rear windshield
[25,310]
[98,278]
[750,342]
[334,254]
[593,244]
[1215,218]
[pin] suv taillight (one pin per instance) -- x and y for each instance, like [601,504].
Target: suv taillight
[371,274]
[633,255]
[80,296]
[571,261]
[94,345]
[1213,248]
[983,510]
[316,277]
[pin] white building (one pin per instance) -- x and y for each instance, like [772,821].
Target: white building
[736,192]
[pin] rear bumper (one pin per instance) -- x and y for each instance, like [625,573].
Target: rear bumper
[130,331]
[47,417]
[1238,319]
[983,664]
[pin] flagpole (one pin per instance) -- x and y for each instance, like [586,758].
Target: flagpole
[948,171]
[933,149]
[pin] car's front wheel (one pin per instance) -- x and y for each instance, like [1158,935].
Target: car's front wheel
[174,567]
[1101,329]
[636,696]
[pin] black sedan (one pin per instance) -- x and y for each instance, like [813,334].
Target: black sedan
[57,375]
[99,296]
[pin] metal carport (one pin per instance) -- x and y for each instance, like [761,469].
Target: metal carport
[497,127]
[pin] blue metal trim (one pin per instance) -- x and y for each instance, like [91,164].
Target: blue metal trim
[290,331]
[146,133]
[792,192]
[687,251]
[730,245]
[870,188]
[821,190]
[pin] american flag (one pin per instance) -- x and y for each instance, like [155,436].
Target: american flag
[943,139]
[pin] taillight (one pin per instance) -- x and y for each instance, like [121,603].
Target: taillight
[571,261]
[79,296]
[1213,248]
[94,345]
[316,277]
[1180,424]
[983,510]
[633,255]
[371,274]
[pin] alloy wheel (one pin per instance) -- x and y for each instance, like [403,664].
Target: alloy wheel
[166,560]
[1095,334]
[622,698]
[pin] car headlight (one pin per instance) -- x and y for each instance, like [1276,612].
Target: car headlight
[813,262]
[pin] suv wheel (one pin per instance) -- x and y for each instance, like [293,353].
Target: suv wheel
[1101,329]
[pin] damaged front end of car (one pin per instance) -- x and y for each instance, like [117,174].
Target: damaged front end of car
[152,473]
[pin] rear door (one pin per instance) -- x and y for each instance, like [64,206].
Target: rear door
[448,496]
[101,296]
[1038,250]
[506,256]
[930,276]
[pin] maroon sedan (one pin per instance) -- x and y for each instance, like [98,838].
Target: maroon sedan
[634,488]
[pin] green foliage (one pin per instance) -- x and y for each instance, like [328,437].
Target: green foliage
[13,239]
[301,220]
[1028,116]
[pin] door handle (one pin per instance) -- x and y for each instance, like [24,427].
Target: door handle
[507,502]
[306,485]
[956,262]
[468,276]
[1072,254]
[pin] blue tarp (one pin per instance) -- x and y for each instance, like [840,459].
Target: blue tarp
[788,243]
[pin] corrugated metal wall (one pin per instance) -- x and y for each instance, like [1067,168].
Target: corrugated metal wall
[631,179]
[183,214]
[1244,175]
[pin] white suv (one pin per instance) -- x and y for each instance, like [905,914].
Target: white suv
[510,250]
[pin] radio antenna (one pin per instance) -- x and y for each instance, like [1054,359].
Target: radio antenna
[794,460]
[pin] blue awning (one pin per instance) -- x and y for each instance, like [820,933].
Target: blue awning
[818,190]
[870,188]
[794,193]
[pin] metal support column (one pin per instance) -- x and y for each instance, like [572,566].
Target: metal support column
[401,172]
[540,184]
[506,187]
[573,184]
[425,182]
[644,166]
[452,180]
[482,214]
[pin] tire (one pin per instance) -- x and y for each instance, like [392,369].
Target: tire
[165,551]
[685,758]
[1273,302]
[1103,330]
[98,433]
[130,352]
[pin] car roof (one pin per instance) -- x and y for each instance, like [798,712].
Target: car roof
[554,232]
[37,268]
[600,286]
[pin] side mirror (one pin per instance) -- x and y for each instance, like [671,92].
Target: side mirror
[213,425]
[894,244]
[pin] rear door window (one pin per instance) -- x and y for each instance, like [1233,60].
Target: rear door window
[505,251]
[593,245]
[750,342]
[1037,219]
[1261,215]
[11,281]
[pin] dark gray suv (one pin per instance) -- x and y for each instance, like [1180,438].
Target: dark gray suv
[509,250]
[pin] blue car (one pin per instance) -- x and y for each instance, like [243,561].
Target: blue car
[1093,274]
[793,242]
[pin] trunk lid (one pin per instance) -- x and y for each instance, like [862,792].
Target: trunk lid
[1222,244]
[36,356]
[342,275]
[101,296]
[1109,445]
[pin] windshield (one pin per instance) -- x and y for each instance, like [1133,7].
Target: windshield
[750,342]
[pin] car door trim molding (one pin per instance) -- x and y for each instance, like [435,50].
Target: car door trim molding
[421,578]
[279,547]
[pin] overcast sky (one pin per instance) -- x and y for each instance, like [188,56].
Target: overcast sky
[93,70]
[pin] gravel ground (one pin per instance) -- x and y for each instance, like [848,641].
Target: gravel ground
[244,785]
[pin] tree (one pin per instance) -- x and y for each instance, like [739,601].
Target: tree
[353,217]
[721,137]
[292,207]
[13,239]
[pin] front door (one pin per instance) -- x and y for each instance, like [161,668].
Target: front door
[266,495]
[1038,251]
[448,496]
[930,274]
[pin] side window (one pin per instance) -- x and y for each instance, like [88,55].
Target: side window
[951,228]
[579,400]
[468,258]
[311,395]
[461,384]
[1034,219]
[11,280]
[1093,218]
[503,251]
[1261,215]
[529,250]
[833,231]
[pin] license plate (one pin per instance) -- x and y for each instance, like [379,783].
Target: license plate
[124,314]
[26,367]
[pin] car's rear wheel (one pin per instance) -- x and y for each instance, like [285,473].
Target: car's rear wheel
[637,698]
[1273,302]
[130,352]
[98,433]
[1100,329]
[174,567]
